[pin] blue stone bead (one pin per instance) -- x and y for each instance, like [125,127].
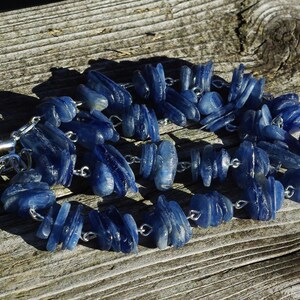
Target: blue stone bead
[153,127]
[102,179]
[131,226]
[141,121]
[243,97]
[181,220]
[118,97]
[248,126]
[195,164]
[277,104]
[186,107]
[216,210]
[140,84]
[65,107]
[87,135]
[160,232]
[104,238]
[186,77]
[292,178]
[255,98]
[173,114]
[91,99]
[207,75]
[166,165]
[198,79]
[226,206]
[221,122]
[49,113]
[55,235]
[112,230]
[72,229]
[203,205]
[206,166]
[19,198]
[45,227]
[278,153]
[148,160]
[190,95]
[128,122]
[223,162]
[209,103]
[127,242]
[156,83]
[236,83]
[253,161]
[26,177]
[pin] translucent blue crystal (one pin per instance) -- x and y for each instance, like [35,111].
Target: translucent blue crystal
[186,77]
[253,161]
[48,111]
[173,114]
[264,196]
[209,103]
[91,99]
[131,226]
[128,122]
[170,225]
[255,98]
[56,233]
[279,154]
[206,166]
[223,162]
[72,229]
[190,95]
[104,238]
[166,165]
[195,163]
[45,227]
[102,179]
[277,104]
[156,82]
[148,160]
[65,107]
[203,205]
[213,208]
[221,122]
[26,176]
[292,178]
[118,97]
[236,83]
[140,84]
[243,97]
[153,127]
[186,107]
[19,198]
[141,121]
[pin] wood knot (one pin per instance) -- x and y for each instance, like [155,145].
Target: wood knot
[279,47]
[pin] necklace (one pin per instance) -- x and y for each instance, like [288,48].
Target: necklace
[268,129]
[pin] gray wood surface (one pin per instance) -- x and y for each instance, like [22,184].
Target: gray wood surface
[45,49]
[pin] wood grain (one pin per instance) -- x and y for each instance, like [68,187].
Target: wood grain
[45,50]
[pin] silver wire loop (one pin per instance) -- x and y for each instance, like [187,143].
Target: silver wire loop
[277,121]
[194,215]
[182,166]
[84,172]
[131,159]
[197,91]
[240,204]
[170,81]
[16,135]
[126,85]
[72,136]
[116,120]
[163,122]
[145,229]
[35,215]
[235,163]
[289,191]
[88,236]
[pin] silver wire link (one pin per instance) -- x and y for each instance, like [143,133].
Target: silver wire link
[126,85]
[289,191]
[277,121]
[163,122]
[132,159]
[84,172]
[240,204]
[16,135]
[170,81]
[116,120]
[182,166]
[235,163]
[88,236]
[72,136]
[35,215]
[145,229]
[194,215]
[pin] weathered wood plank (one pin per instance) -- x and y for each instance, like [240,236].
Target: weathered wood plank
[240,260]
